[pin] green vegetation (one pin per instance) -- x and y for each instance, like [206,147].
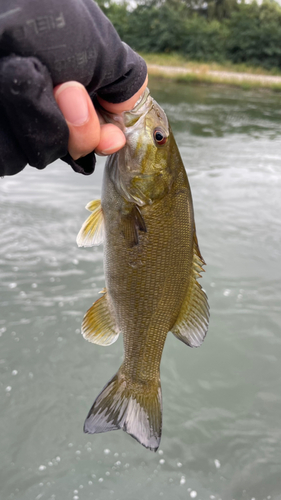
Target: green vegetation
[211,31]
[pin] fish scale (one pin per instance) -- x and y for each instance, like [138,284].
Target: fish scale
[139,284]
[152,262]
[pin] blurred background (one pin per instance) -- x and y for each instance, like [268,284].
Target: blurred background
[221,31]
[221,403]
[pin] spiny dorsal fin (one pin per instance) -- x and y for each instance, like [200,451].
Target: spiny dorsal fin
[132,223]
[92,231]
[193,320]
[98,325]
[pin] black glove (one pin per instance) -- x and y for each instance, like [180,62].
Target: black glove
[44,43]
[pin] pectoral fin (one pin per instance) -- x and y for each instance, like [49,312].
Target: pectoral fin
[132,223]
[92,231]
[98,325]
[193,320]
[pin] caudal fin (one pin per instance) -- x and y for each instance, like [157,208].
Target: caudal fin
[134,407]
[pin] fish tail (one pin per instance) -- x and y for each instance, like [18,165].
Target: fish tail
[135,407]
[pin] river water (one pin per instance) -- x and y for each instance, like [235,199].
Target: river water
[222,407]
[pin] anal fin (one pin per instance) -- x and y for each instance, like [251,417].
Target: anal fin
[193,320]
[98,325]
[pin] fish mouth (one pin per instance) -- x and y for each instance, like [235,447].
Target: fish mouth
[141,101]
[126,119]
[108,117]
[140,110]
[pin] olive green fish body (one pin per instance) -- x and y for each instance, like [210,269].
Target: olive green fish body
[152,262]
[147,282]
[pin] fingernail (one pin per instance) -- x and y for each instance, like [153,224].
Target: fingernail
[114,145]
[72,101]
[112,149]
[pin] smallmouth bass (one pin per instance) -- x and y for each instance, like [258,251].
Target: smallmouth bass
[152,261]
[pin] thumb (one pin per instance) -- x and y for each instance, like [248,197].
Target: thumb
[81,117]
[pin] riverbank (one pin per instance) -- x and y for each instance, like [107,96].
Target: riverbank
[177,69]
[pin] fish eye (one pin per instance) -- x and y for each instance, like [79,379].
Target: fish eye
[159,137]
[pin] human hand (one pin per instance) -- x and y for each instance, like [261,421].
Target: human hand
[42,49]
[86,133]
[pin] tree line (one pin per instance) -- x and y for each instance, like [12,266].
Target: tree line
[202,30]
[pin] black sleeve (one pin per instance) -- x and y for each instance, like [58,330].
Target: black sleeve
[44,43]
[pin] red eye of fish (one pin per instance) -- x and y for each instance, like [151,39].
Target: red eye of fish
[159,137]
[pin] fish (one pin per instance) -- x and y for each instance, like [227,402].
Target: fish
[152,261]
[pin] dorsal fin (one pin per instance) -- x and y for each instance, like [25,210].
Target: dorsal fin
[92,231]
[193,320]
